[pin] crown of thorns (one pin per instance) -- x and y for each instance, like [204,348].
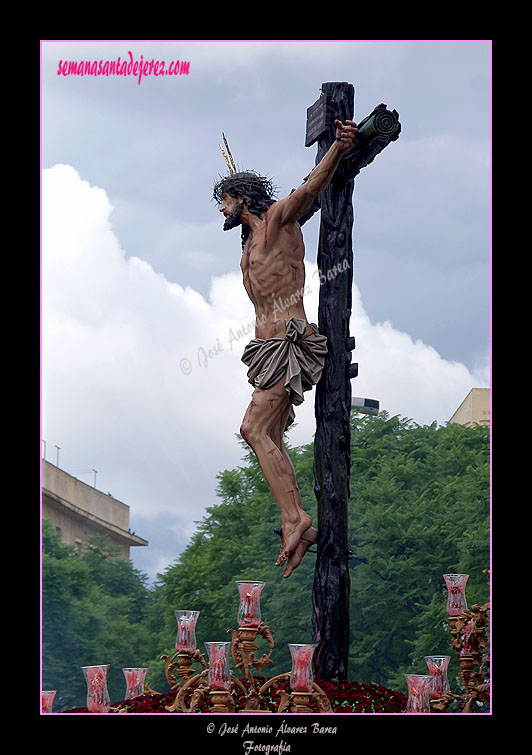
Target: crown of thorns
[245,182]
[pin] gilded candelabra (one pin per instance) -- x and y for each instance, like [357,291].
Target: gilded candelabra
[215,683]
[181,662]
[296,701]
[470,642]
[243,649]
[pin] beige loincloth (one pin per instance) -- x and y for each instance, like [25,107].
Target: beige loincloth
[297,356]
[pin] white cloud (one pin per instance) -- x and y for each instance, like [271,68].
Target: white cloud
[117,395]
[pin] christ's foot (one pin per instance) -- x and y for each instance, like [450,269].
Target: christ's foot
[291,535]
[281,559]
[308,539]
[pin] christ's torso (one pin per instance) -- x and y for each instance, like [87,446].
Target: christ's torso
[274,274]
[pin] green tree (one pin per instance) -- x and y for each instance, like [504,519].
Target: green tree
[95,610]
[420,508]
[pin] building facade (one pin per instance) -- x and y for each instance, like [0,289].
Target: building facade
[78,511]
[474,409]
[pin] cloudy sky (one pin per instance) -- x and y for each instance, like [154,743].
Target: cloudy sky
[144,317]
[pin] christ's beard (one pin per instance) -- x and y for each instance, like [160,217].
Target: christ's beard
[234,219]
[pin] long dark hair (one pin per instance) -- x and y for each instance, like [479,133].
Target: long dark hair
[256,191]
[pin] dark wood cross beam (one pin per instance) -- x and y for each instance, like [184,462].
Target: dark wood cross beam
[332,444]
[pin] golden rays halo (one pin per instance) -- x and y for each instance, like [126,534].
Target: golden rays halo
[228,157]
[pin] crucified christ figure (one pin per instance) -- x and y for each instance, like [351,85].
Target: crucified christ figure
[287,355]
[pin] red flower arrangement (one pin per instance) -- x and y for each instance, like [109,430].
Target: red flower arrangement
[344,696]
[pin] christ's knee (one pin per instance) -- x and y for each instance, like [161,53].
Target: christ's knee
[244,431]
[251,434]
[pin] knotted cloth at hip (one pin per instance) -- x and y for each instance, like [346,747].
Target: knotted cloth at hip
[297,356]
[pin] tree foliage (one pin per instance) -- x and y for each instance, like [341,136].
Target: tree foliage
[95,609]
[419,509]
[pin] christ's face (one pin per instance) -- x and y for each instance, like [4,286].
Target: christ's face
[232,209]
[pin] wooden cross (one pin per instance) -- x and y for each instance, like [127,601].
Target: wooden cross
[332,457]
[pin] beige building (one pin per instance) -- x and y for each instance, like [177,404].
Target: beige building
[474,409]
[78,511]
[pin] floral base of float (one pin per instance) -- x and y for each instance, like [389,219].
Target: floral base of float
[344,696]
